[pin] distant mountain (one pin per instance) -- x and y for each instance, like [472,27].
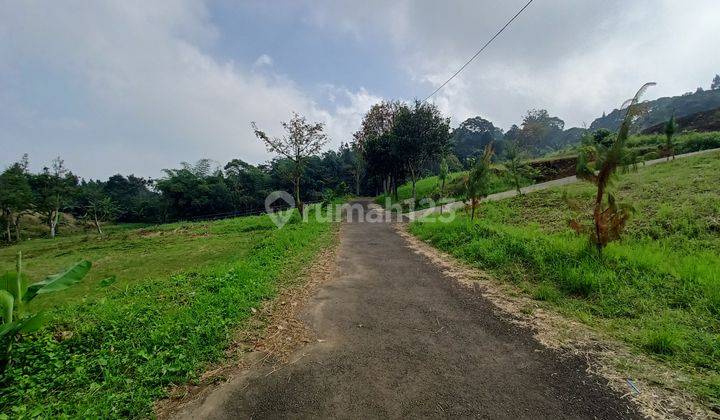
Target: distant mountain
[660,110]
[699,121]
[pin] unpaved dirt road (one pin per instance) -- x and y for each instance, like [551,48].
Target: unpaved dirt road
[399,339]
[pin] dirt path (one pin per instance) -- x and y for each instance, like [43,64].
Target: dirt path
[399,339]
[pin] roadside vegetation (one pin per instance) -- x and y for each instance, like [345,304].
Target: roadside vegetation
[182,291]
[656,288]
[502,177]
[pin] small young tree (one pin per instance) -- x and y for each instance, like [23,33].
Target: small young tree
[97,206]
[477,184]
[608,220]
[671,128]
[517,166]
[303,140]
[442,177]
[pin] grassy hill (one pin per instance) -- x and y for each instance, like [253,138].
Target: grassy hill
[658,289]
[429,187]
[183,290]
[646,146]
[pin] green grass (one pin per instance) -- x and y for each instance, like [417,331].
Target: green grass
[183,292]
[454,187]
[657,289]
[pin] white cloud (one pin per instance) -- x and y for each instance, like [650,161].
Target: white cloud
[141,93]
[264,60]
[577,59]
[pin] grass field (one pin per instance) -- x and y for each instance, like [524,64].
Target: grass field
[645,146]
[182,292]
[657,289]
[454,187]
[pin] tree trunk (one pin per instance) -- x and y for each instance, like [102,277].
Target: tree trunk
[357,182]
[298,203]
[54,218]
[596,216]
[414,180]
[97,225]
[8,219]
[17,227]
[442,195]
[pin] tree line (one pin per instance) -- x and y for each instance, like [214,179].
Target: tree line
[396,142]
[190,191]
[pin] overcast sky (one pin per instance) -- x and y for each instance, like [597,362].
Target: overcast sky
[123,86]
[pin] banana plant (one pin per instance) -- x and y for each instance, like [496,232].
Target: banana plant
[14,296]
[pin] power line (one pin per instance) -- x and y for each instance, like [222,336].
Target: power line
[480,50]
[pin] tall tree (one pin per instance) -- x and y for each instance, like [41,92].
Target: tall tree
[134,200]
[377,122]
[53,190]
[539,130]
[247,183]
[421,135]
[303,140]
[473,134]
[15,197]
[383,162]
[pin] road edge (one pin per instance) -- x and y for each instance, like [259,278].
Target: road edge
[653,388]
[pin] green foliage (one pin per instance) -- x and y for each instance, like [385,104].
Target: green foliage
[657,288]
[14,295]
[114,352]
[16,197]
[420,135]
[517,166]
[471,137]
[477,184]
[608,153]
[671,128]
[303,140]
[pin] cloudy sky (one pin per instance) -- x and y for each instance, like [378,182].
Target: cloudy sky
[136,86]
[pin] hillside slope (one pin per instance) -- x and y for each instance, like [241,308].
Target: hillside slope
[661,109]
[699,121]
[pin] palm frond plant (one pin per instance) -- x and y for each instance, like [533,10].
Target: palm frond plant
[598,163]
